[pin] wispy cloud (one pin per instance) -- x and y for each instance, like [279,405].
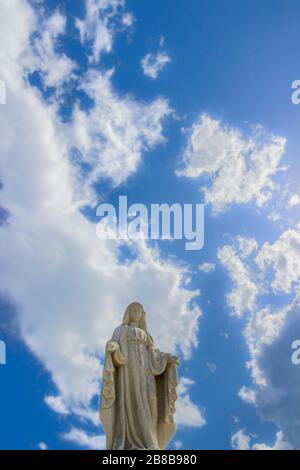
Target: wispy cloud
[155,62]
[103,19]
[42,446]
[243,295]
[294,200]
[111,137]
[207,267]
[55,67]
[84,439]
[242,441]
[187,413]
[247,395]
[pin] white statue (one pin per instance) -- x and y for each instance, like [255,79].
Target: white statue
[139,387]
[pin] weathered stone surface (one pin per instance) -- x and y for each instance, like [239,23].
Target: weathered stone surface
[139,387]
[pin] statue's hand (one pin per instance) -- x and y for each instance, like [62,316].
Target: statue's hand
[111,346]
[173,359]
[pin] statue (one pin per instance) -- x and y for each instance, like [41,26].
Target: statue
[139,387]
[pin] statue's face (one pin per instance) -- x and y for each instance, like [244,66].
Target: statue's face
[136,314]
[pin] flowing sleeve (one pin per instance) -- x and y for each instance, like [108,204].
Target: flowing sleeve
[166,384]
[108,396]
[158,360]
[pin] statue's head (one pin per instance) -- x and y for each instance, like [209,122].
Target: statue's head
[135,313]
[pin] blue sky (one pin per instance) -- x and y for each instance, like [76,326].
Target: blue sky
[85,122]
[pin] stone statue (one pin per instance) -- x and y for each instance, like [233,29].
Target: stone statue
[139,387]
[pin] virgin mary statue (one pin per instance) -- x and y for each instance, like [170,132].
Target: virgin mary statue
[139,387]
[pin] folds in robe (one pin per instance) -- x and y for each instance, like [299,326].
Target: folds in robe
[138,392]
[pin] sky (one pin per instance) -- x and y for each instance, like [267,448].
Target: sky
[164,101]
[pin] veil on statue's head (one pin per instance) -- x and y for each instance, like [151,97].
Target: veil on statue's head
[142,322]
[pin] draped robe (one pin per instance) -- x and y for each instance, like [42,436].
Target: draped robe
[138,392]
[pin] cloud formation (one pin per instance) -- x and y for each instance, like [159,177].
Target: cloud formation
[69,288]
[103,19]
[240,168]
[154,63]
[109,139]
[269,331]
[207,267]
[240,440]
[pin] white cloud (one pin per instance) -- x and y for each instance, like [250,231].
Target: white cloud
[14,44]
[83,439]
[207,267]
[294,200]
[269,331]
[283,257]
[247,395]
[241,168]
[57,404]
[153,63]
[280,444]
[274,216]
[63,281]
[187,413]
[240,440]
[242,297]
[55,68]
[262,329]
[100,24]
[111,136]
[127,19]
[42,446]
[246,246]
[277,379]
[177,445]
